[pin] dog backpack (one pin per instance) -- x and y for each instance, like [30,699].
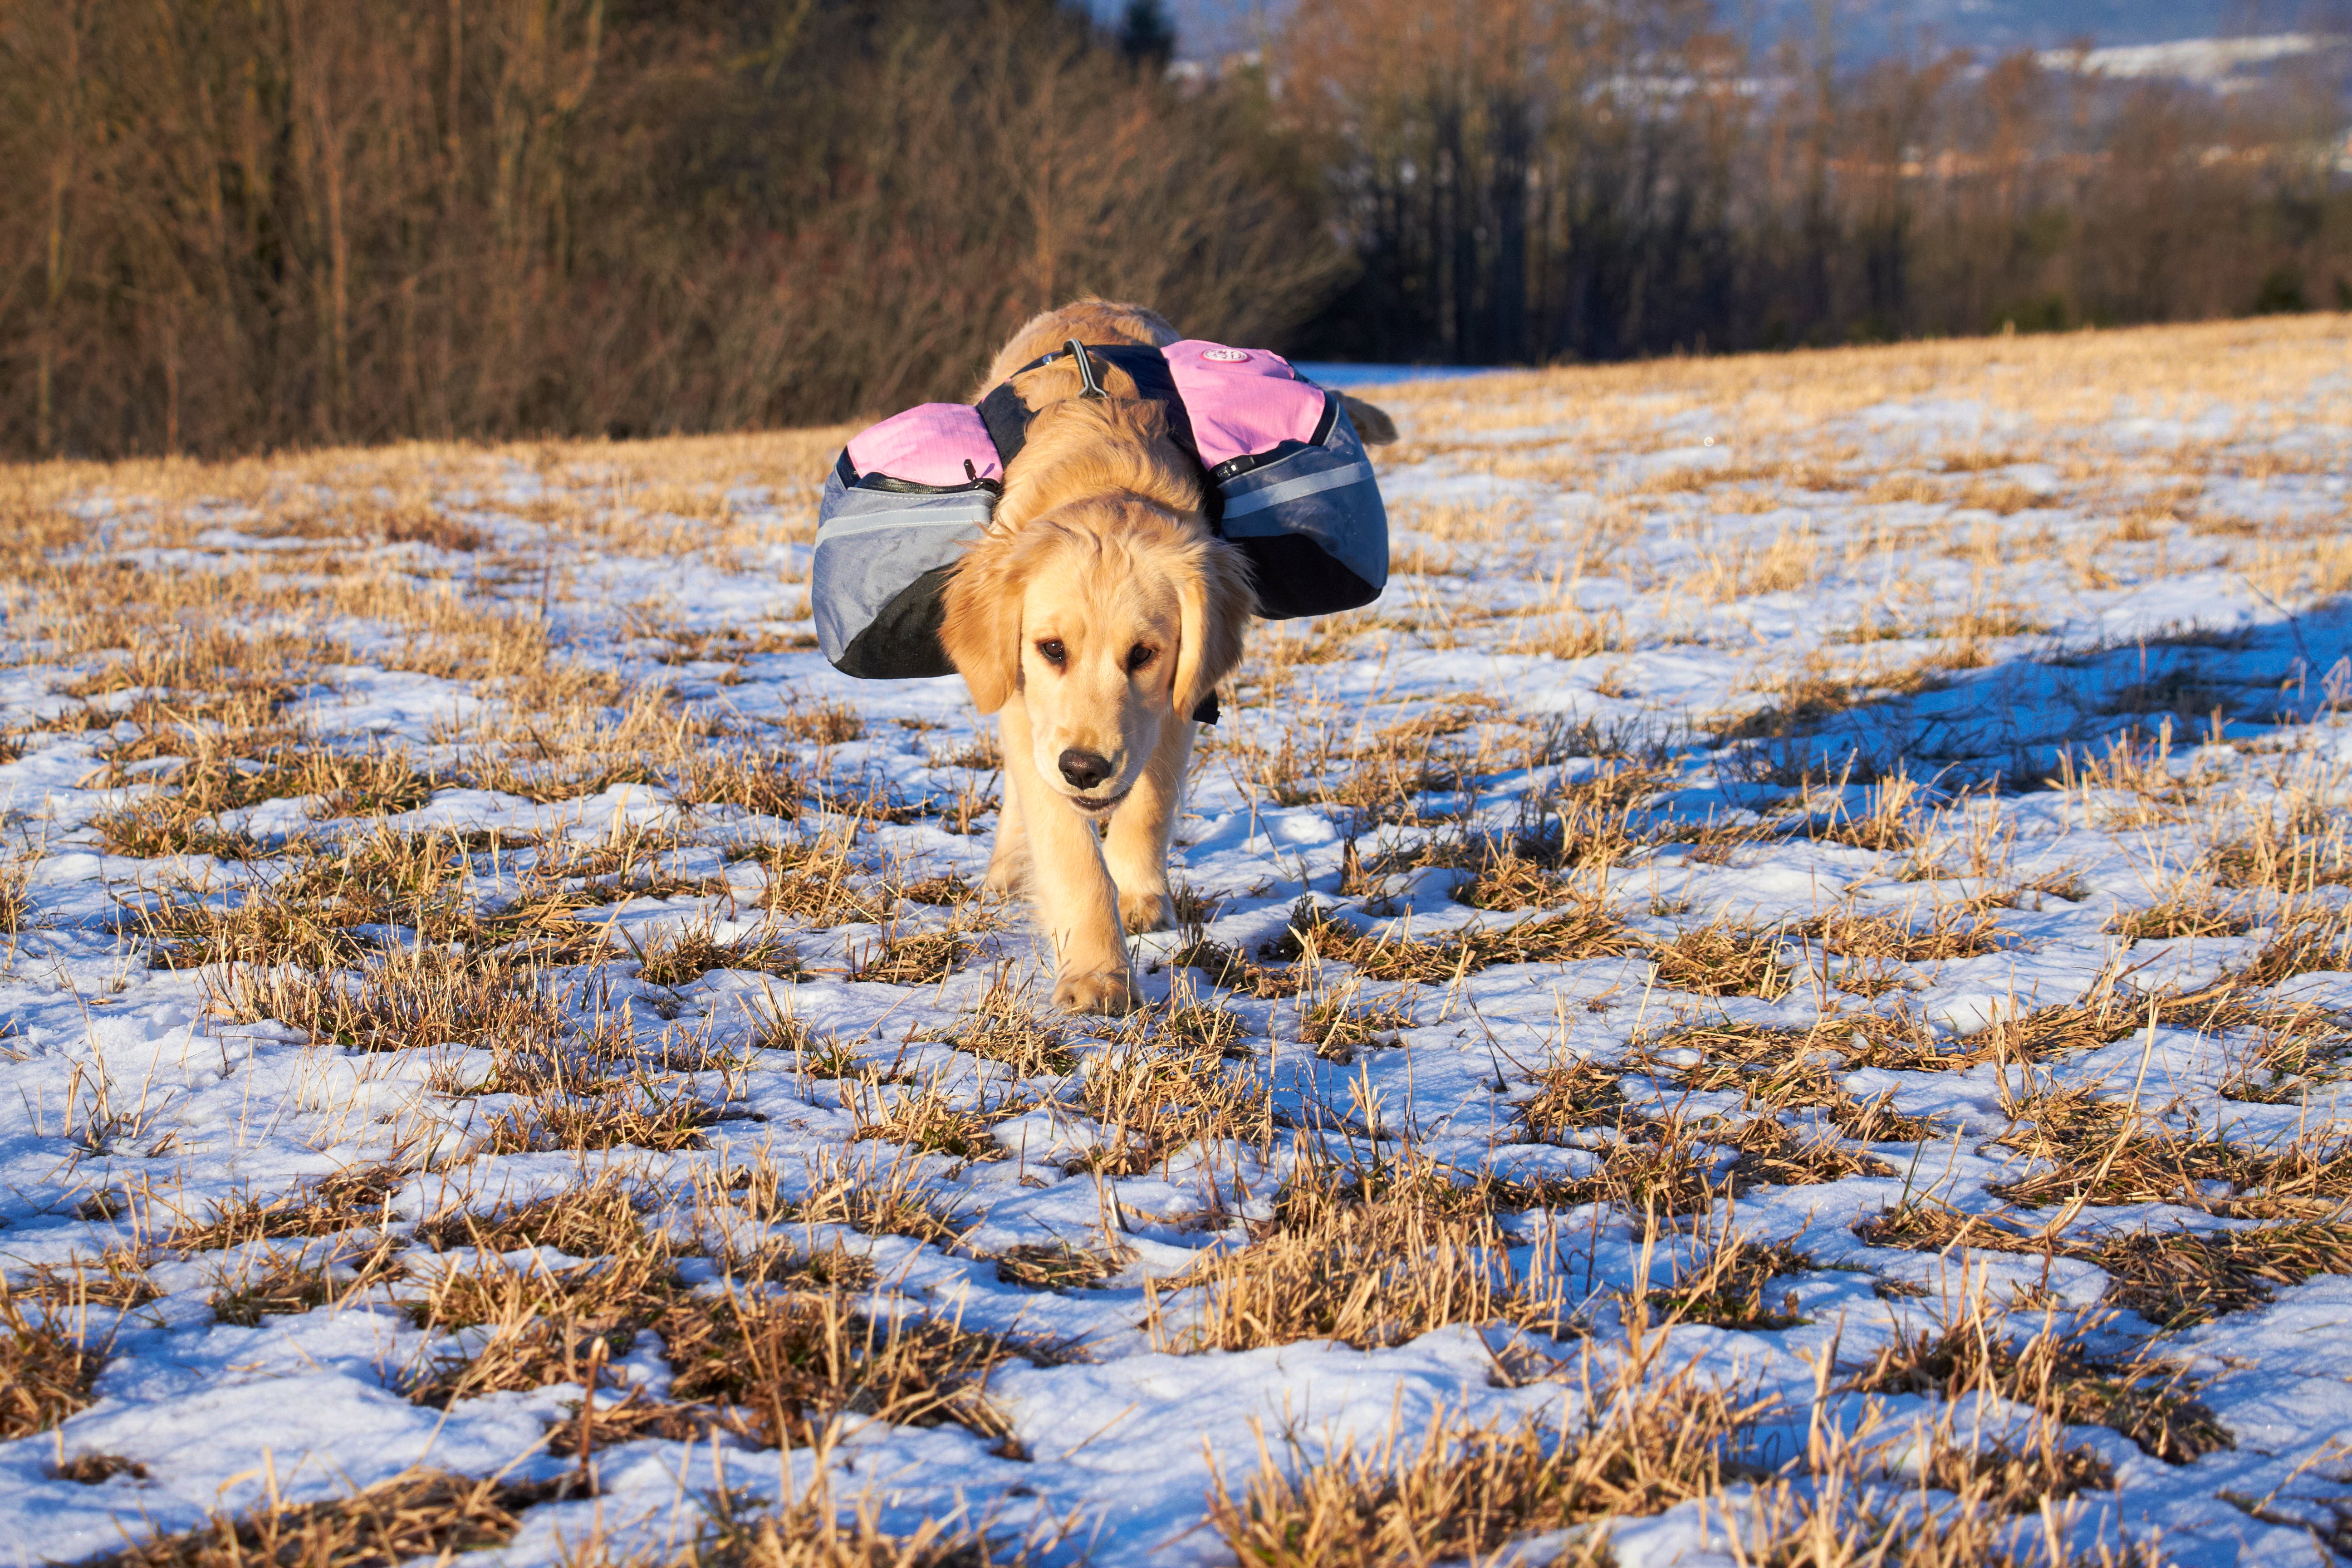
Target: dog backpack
[903,501]
[1289,485]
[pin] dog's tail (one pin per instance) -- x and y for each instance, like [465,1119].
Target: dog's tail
[1372,424]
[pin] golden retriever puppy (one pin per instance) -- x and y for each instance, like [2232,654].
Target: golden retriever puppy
[1095,615]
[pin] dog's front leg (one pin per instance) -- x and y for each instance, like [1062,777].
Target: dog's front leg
[1136,846]
[1008,857]
[1075,896]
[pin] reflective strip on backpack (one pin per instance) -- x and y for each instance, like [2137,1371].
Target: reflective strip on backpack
[915,511]
[1293,490]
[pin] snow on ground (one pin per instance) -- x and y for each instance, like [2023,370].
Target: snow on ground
[1813,650]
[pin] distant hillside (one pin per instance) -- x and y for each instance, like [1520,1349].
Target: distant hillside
[1206,29]
[1878,26]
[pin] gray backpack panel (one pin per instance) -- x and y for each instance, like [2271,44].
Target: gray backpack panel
[877,546]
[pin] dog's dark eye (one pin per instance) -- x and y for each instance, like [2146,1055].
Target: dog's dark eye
[1052,650]
[1138,656]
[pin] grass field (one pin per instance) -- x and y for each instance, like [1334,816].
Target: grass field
[1782,998]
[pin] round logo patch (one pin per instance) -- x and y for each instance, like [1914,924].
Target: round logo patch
[1225,356]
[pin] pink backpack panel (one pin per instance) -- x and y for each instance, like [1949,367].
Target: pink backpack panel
[1241,402]
[929,444]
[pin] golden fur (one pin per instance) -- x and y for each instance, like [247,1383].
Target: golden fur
[1090,322]
[1093,616]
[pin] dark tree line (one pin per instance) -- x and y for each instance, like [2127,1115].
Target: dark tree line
[1532,180]
[239,223]
[230,224]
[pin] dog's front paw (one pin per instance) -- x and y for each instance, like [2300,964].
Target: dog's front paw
[1145,910]
[1094,990]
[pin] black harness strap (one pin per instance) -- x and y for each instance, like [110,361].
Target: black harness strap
[1007,417]
[1094,390]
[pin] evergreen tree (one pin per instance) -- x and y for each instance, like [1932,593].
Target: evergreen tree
[1146,36]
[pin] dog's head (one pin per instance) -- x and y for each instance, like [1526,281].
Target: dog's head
[1111,618]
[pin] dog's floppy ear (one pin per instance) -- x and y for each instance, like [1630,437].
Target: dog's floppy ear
[1372,424]
[980,621]
[1216,601]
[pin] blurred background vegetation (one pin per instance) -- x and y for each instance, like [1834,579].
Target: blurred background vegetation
[230,224]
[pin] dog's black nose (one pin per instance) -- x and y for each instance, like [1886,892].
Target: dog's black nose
[1084,769]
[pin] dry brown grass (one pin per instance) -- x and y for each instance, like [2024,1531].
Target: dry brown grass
[1006,1027]
[912,958]
[1341,756]
[1789,562]
[218,780]
[694,950]
[1875,948]
[927,1118]
[818,882]
[1202,1025]
[1465,1491]
[1723,960]
[1058,1266]
[1773,1067]
[358,1199]
[49,1358]
[779,1354]
[590,1221]
[2178,1278]
[1170,1082]
[1772,1154]
[1589,931]
[419,1514]
[276,1285]
[1663,1169]
[817,1530]
[1369,1257]
[1339,1029]
[2047,1370]
[796,1361]
[1847,1522]
[605,1116]
[885,1200]
[303,909]
[2101,1151]
[1573,633]
[91,1470]
[2174,1278]
[1779,1069]
[2292,1050]
[540,1326]
[1587,827]
[1731,1288]
[16,905]
[1574,1095]
[2291,854]
[415,998]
